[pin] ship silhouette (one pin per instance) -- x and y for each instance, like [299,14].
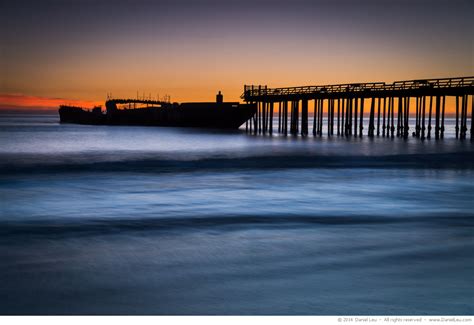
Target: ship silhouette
[218,114]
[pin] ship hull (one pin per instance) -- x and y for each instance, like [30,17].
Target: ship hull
[200,115]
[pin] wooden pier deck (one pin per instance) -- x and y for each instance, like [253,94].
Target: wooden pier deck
[387,106]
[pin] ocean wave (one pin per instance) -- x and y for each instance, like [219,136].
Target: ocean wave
[121,225]
[462,160]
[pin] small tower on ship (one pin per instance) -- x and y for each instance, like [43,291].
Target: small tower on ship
[219,98]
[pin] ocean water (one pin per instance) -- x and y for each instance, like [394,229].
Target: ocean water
[169,221]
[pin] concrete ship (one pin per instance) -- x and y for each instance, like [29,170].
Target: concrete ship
[218,115]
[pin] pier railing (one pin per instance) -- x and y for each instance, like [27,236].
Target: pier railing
[252,92]
[137,101]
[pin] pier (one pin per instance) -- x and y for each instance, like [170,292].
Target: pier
[347,106]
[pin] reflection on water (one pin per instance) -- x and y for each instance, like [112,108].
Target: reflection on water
[182,221]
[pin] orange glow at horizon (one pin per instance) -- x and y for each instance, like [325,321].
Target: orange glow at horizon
[25,102]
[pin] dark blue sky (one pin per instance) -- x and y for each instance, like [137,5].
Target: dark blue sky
[83,49]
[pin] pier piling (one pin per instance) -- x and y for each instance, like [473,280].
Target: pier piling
[361,122]
[472,117]
[371,118]
[442,116]
[423,117]
[279,117]
[429,118]
[457,117]
[321,118]
[304,117]
[378,116]
[356,116]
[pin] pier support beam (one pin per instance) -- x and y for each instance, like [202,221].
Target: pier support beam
[304,117]
[259,117]
[383,116]
[402,116]
[429,118]
[361,122]
[387,126]
[356,109]
[378,116]
[271,118]
[348,117]
[416,133]
[437,117]
[295,111]
[331,118]
[321,110]
[406,115]
[255,120]
[371,117]
[472,117]
[442,116]
[399,117]
[279,117]
[297,115]
[343,125]
[393,123]
[351,106]
[457,117]
[321,118]
[315,115]
[292,116]
[423,117]
[339,116]
[333,105]
[464,118]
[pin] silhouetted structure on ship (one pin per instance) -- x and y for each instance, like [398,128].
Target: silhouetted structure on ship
[388,109]
[219,114]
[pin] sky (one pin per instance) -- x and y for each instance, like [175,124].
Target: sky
[78,51]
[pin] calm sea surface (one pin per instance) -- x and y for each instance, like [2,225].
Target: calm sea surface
[148,220]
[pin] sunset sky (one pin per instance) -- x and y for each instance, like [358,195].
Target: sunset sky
[78,51]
